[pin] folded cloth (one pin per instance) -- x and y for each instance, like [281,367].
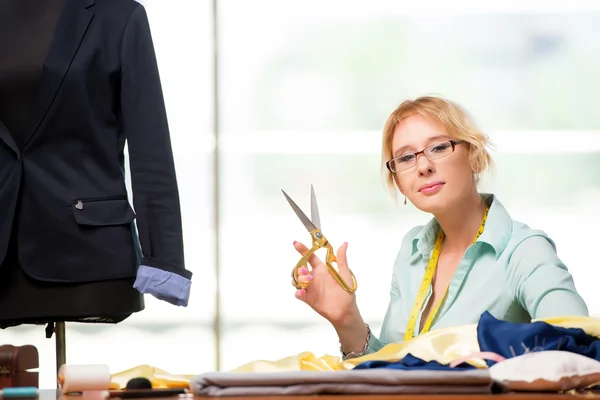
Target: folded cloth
[443,345]
[505,340]
[370,381]
[547,371]
[510,339]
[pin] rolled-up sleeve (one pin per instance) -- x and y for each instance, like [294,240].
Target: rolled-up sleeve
[541,282]
[162,272]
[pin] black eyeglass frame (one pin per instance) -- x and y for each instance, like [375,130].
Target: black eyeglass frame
[453,142]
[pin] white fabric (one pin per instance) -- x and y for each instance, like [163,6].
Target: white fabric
[547,371]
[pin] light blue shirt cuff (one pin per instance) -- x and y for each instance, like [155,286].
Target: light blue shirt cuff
[163,285]
[374,345]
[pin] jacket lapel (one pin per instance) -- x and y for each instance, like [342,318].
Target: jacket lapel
[70,30]
[7,138]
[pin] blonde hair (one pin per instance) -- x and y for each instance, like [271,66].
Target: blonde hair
[457,122]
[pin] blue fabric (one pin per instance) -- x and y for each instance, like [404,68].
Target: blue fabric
[163,285]
[509,339]
[411,362]
[513,339]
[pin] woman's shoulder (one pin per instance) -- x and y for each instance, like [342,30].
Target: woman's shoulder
[518,229]
[508,235]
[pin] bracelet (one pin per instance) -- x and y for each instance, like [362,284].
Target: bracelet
[354,354]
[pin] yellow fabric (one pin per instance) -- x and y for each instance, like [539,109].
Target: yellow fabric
[442,345]
[160,379]
[305,361]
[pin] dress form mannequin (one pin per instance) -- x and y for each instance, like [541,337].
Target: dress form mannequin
[26,30]
[78,78]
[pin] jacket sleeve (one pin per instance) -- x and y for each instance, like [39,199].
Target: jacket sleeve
[162,271]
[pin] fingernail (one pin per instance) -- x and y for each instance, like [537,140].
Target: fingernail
[303,270]
[295,242]
[346,244]
[309,277]
[302,291]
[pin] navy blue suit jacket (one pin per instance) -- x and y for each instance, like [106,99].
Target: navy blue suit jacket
[66,186]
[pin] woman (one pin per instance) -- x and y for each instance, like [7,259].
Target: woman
[470,258]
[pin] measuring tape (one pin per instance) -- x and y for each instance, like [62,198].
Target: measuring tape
[429,272]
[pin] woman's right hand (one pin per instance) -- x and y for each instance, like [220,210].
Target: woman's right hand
[323,293]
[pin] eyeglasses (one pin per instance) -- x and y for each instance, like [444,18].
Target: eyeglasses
[433,152]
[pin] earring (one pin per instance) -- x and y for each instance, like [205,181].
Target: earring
[404,200]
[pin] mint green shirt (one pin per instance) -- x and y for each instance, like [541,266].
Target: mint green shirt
[512,271]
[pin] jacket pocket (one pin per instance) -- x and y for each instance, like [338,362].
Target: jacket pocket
[103,212]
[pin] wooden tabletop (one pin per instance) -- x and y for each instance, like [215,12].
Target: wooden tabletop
[512,396]
[55,395]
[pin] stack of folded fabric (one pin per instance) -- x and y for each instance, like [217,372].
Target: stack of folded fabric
[551,355]
[366,381]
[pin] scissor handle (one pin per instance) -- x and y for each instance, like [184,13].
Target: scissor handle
[303,262]
[329,260]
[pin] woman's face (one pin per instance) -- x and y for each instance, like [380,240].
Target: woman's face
[431,185]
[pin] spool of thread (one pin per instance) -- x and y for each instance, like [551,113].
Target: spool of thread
[19,392]
[80,378]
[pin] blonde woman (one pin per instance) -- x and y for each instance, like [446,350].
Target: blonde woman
[470,258]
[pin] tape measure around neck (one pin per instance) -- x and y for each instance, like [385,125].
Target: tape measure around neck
[429,273]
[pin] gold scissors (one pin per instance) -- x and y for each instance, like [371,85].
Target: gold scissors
[319,241]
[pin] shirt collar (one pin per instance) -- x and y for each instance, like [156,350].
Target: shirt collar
[497,233]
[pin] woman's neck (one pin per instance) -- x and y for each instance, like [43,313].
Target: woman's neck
[461,224]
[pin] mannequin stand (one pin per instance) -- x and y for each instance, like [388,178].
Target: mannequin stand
[61,346]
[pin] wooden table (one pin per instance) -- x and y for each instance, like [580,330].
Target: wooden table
[55,395]
[514,396]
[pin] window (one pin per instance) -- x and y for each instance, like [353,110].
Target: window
[305,90]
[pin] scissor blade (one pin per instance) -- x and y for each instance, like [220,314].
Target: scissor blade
[314,208]
[307,223]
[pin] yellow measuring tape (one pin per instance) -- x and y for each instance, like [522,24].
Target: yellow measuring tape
[429,272]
